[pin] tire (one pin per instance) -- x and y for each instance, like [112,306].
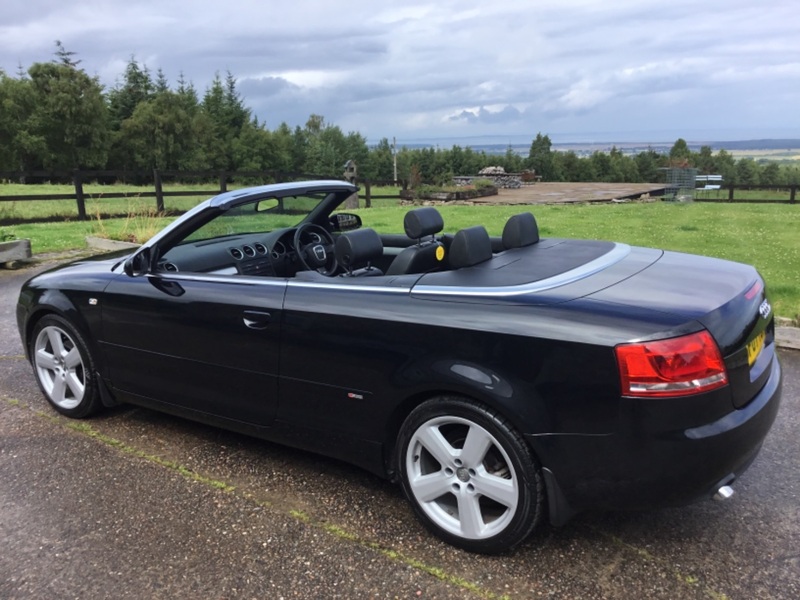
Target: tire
[470,477]
[64,368]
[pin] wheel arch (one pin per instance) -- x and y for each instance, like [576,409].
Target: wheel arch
[498,531]
[412,401]
[53,302]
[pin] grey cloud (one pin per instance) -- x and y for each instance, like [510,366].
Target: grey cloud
[508,114]
[465,115]
[553,66]
[266,86]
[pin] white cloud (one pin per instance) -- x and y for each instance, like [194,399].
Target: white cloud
[308,79]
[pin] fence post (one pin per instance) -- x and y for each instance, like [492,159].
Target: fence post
[159,191]
[730,193]
[367,194]
[223,182]
[792,193]
[76,179]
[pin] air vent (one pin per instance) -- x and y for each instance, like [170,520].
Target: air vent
[260,266]
[260,248]
[249,251]
[170,267]
[278,250]
[236,253]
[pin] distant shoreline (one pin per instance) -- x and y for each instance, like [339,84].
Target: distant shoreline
[763,144]
[491,146]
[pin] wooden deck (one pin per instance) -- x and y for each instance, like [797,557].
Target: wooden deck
[567,193]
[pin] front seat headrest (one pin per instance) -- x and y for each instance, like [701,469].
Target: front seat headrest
[359,247]
[422,221]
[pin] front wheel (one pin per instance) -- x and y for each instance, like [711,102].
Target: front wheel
[64,368]
[470,477]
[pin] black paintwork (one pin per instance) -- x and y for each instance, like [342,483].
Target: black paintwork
[334,365]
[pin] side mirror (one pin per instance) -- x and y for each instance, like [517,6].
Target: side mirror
[345,221]
[138,264]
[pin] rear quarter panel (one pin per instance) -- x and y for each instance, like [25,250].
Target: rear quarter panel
[353,360]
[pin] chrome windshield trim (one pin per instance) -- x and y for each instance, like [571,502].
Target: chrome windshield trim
[613,256]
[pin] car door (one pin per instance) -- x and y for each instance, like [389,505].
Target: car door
[206,343]
[343,342]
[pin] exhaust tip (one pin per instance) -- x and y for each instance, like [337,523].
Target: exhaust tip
[723,493]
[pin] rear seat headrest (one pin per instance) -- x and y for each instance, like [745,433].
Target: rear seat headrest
[520,230]
[470,246]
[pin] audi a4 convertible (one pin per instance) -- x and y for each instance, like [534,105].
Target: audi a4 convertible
[501,381]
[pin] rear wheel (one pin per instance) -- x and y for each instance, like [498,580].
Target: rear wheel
[469,475]
[63,367]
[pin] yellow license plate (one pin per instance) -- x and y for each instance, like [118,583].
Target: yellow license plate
[755,346]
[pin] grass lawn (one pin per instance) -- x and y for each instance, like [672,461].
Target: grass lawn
[764,235]
[749,195]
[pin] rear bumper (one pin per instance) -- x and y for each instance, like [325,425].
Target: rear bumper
[651,463]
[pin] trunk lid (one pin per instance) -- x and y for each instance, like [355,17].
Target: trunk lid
[729,299]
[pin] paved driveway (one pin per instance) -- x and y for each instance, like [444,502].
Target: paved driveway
[135,504]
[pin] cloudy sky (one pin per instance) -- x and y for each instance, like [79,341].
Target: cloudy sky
[579,70]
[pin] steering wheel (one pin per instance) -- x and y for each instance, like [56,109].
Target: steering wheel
[318,255]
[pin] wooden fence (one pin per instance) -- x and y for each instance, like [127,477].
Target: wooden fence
[729,193]
[222,179]
[156,179]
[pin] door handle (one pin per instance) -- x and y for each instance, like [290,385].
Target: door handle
[256,319]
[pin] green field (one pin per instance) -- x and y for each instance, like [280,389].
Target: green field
[68,209]
[103,206]
[749,195]
[765,235]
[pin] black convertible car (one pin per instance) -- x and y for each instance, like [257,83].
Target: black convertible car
[498,379]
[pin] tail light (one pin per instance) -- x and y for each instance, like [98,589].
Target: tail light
[680,366]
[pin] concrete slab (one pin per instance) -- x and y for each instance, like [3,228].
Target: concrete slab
[788,337]
[99,243]
[11,253]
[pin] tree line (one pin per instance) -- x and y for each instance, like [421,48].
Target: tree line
[55,116]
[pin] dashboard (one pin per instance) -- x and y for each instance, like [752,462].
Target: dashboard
[261,254]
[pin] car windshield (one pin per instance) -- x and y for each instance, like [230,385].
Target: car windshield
[267,214]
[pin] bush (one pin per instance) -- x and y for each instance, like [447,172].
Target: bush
[481,184]
[427,189]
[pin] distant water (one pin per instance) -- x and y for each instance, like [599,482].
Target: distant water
[520,144]
[629,141]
